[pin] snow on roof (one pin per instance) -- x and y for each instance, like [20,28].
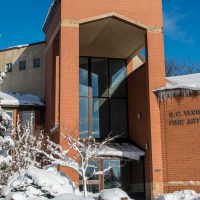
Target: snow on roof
[190,81]
[125,150]
[17,99]
[21,46]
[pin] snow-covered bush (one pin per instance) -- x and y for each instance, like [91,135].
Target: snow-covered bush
[35,182]
[6,143]
[180,195]
[25,144]
[21,150]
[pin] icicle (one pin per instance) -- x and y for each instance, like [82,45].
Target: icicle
[165,94]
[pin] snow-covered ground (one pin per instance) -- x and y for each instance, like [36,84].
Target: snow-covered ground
[180,195]
[35,182]
[113,194]
[42,184]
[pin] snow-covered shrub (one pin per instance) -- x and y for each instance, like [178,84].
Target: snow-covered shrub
[35,182]
[113,194]
[180,195]
[25,144]
[6,143]
[21,150]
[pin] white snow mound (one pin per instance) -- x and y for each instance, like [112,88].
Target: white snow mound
[113,194]
[71,197]
[39,182]
[180,195]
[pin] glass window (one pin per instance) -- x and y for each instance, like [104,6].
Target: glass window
[100,117]
[103,83]
[10,113]
[93,167]
[36,62]
[112,175]
[22,65]
[118,117]
[83,117]
[94,188]
[83,77]
[28,117]
[9,67]
[99,77]
[117,78]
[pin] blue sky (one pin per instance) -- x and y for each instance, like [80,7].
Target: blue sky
[182,31]
[21,24]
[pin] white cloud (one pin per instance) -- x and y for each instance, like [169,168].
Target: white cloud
[173,29]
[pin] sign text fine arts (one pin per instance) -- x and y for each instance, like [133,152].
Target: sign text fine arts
[186,117]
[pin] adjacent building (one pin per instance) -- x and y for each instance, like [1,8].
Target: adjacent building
[90,76]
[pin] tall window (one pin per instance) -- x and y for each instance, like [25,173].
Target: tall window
[28,117]
[102,97]
[22,65]
[36,62]
[9,67]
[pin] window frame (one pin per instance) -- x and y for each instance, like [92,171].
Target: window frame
[9,67]
[36,62]
[29,111]
[22,66]
[101,179]
[90,96]
[11,111]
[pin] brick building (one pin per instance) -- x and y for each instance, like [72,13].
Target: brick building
[97,81]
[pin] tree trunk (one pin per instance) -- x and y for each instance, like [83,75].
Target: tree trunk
[85,186]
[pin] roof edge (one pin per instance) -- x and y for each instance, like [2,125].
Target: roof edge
[52,10]
[22,46]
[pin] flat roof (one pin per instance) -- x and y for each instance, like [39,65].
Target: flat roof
[21,46]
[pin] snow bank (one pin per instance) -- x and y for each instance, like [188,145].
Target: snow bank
[113,194]
[71,197]
[39,182]
[180,195]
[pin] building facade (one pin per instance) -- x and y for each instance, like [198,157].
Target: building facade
[94,81]
[91,84]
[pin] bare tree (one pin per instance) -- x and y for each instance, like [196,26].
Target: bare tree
[176,68]
[86,150]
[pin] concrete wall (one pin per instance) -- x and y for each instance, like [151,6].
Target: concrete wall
[30,80]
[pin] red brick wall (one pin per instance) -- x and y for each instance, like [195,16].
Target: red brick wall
[145,11]
[180,144]
[137,105]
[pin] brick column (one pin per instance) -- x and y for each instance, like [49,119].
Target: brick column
[69,85]
[155,79]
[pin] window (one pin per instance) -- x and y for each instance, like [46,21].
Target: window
[94,181]
[9,67]
[112,177]
[36,62]
[28,117]
[22,65]
[10,113]
[102,97]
